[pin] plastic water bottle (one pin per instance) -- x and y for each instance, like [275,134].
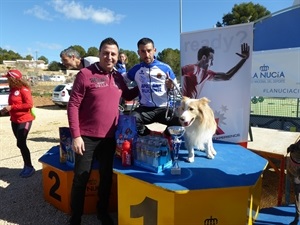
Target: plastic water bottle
[126,153]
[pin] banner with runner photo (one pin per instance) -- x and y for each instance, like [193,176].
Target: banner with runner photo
[216,64]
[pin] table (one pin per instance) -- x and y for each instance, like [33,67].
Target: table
[225,190]
[272,144]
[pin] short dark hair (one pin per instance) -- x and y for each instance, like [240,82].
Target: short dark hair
[204,50]
[145,41]
[108,41]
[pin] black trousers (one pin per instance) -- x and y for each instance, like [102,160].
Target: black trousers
[103,150]
[21,131]
[147,115]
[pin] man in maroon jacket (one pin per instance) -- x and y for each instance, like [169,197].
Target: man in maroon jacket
[93,116]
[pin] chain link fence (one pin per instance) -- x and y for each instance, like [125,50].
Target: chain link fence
[275,113]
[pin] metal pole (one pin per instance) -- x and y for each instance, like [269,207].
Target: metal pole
[297,115]
[180,16]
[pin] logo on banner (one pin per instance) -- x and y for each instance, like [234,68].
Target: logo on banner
[267,75]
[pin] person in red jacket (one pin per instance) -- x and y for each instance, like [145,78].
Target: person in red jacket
[19,108]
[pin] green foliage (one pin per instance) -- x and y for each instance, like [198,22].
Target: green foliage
[79,49]
[54,66]
[44,59]
[8,55]
[171,57]
[28,57]
[132,58]
[11,55]
[243,13]
[92,51]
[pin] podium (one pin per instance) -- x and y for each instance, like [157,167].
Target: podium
[57,182]
[225,190]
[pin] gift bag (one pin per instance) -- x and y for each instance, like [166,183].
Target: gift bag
[67,155]
[126,130]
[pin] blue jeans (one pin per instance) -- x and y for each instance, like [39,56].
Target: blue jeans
[103,150]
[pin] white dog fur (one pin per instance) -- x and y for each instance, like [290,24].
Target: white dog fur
[198,119]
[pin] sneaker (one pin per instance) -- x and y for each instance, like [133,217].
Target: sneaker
[23,170]
[28,172]
[105,219]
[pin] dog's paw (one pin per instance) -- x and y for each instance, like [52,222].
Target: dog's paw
[210,156]
[213,152]
[191,159]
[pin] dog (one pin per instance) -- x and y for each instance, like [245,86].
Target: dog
[198,119]
[293,169]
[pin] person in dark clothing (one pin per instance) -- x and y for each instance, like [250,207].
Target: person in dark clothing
[154,79]
[93,116]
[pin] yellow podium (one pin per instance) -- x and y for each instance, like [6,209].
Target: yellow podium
[57,182]
[225,190]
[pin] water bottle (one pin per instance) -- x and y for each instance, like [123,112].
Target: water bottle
[126,153]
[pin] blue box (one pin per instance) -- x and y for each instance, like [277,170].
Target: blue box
[155,169]
[152,153]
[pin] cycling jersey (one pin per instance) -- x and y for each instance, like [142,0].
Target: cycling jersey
[150,78]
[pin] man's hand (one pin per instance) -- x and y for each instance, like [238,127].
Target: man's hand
[169,84]
[78,145]
[245,51]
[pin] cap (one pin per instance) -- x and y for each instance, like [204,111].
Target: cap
[14,74]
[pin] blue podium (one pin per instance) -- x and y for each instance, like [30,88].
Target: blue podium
[225,190]
[57,182]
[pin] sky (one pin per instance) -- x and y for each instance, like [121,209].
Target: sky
[46,27]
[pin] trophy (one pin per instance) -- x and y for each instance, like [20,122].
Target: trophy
[176,133]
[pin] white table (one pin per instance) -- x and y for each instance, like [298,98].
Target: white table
[273,144]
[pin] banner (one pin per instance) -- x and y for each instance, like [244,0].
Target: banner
[276,73]
[216,64]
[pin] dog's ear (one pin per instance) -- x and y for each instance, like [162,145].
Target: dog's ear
[293,148]
[184,98]
[204,101]
[290,148]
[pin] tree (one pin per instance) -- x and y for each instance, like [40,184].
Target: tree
[54,66]
[171,57]
[243,13]
[132,58]
[79,49]
[28,57]
[44,59]
[92,51]
[8,55]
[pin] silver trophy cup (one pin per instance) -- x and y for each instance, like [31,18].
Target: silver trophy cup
[176,133]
